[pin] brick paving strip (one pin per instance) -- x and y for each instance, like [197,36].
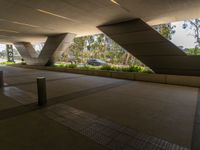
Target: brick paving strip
[19,95]
[105,132]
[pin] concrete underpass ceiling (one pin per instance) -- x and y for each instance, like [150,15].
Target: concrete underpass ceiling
[34,20]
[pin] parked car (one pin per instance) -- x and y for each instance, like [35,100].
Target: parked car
[96,62]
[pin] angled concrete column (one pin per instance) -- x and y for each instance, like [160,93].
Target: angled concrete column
[151,48]
[63,47]
[26,50]
[52,49]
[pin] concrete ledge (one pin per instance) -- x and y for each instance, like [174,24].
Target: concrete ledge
[183,80]
[101,73]
[157,78]
[123,75]
[193,81]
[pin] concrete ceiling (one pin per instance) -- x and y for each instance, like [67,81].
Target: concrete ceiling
[34,20]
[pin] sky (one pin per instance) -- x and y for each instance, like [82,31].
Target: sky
[182,37]
[2,47]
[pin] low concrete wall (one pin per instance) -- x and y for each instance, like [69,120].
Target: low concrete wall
[192,81]
[157,78]
[123,75]
[183,80]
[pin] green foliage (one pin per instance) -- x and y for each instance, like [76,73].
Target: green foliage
[60,65]
[193,51]
[88,67]
[136,68]
[72,66]
[166,30]
[133,68]
[107,67]
[99,47]
[7,63]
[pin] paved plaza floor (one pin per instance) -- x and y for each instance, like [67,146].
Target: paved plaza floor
[87,112]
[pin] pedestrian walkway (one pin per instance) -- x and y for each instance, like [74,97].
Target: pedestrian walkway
[96,112]
[107,133]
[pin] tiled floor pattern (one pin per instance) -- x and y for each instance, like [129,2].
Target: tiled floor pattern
[107,133]
[19,95]
[102,131]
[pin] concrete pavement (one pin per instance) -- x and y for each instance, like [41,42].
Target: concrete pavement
[163,111]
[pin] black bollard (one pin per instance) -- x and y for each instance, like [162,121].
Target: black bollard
[41,87]
[1,79]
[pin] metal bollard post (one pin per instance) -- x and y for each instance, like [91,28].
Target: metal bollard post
[1,79]
[41,87]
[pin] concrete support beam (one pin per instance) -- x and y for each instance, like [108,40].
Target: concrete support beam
[53,48]
[63,47]
[151,48]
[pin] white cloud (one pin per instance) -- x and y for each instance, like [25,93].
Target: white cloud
[183,37]
[2,47]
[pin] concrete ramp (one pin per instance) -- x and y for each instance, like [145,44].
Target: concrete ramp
[151,48]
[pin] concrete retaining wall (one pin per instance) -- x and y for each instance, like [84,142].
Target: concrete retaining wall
[193,81]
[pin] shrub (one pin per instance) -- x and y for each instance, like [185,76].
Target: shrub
[147,71]
[71,66]
[106,67]
[134,68]
[87,67]
[60,65]
[7,63]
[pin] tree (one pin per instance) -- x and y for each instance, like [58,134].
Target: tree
[194,25]
[77,48]
[166,30]
[100,46]
[193,51]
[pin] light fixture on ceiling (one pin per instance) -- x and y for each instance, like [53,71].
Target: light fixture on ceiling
[55,15]
[119,5]
[115,2]
[25,24]
[5,36]
[19,23]
[10,31]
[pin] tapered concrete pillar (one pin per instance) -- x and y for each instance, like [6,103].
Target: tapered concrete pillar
[151,48]
[63,47]
[52,49]
[27,52]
